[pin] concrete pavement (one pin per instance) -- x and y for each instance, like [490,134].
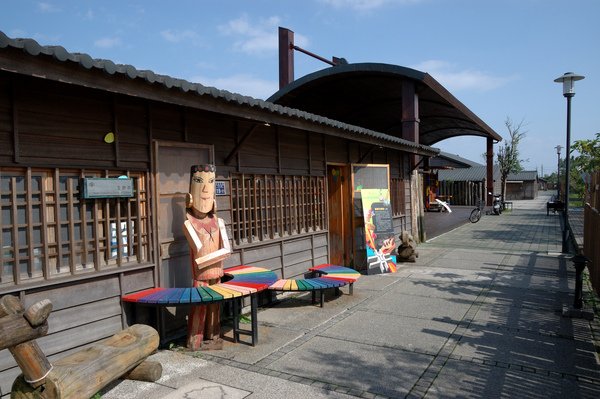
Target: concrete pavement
[477,316]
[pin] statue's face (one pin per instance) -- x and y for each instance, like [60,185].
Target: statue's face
[203,191]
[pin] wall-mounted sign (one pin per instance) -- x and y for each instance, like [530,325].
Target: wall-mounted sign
[220,188]
[107,187]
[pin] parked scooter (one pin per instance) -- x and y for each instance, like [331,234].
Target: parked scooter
[497,204]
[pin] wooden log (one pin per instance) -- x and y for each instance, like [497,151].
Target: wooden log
[37,313]
[82,374]
[15,330]
[28,355]
[145,371]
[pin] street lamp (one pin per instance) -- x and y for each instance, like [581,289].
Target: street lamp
[568,80]
[558,148]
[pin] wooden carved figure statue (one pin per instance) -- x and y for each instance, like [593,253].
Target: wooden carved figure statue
[209,246]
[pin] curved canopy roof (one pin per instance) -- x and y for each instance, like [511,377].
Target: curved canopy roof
[370,95]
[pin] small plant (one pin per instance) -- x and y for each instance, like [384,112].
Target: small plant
[245,319]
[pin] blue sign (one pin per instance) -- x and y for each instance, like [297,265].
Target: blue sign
[220,188]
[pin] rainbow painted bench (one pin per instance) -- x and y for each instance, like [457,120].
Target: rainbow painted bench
[326,276]
[241,281]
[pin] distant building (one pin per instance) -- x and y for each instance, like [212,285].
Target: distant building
[464,185]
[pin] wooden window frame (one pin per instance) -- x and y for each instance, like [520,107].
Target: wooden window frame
[398,196]
[48,232]
[272,207]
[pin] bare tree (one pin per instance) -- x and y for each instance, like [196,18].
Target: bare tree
[508,154]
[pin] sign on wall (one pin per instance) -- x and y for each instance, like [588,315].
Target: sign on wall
[107,187]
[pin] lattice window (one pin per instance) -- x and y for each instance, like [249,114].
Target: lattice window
[48,231]
[398,196]
[267,207]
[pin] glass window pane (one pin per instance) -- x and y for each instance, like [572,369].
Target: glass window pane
[76,212]
[19,184]
[7,237]
[21,215]
[37,235]
[22,235]
[7,272]
[64,233]
[36,212]
[90,231]
[5,184]
[36,183]
[77,232]
[38,258]
[24,268]
[64,212]
[6,216]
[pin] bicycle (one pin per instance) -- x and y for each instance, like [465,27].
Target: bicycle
[476,213]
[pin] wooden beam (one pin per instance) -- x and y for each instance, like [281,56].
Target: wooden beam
[239,145]
[15,123]
[366,154]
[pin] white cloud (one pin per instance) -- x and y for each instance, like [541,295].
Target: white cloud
[469,79]
[365,5]
[47,7]
[108,42]
[178,36]
[257,38]
[244,84]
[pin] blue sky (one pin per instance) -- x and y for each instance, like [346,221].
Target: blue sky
[497,57]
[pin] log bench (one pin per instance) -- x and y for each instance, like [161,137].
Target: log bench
[78,375]
[239,282]
[326,276]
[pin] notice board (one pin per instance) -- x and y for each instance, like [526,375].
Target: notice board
[372,222]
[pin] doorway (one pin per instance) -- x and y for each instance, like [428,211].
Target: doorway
[172,174]
[339,205]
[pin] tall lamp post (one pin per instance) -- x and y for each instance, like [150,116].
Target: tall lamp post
[558,148]
[568,80]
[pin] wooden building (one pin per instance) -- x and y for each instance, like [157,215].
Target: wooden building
[65,117]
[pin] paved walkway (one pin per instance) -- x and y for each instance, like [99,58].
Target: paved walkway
[478,316]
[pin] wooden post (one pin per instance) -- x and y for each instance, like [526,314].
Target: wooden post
[489,171]
[28,355]
[286,57]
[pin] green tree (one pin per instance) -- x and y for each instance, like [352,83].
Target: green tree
[585,163]
[508,153]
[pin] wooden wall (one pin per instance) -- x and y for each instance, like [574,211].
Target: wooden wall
[49,124]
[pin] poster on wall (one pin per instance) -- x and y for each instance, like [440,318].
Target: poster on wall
[379,231]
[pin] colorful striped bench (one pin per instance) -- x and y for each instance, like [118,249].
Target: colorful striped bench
[326,276]
[244,281]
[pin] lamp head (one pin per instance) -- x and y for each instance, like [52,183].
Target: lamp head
[568,80]
[558,148]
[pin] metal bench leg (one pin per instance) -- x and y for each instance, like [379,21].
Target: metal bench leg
[314,297]
[351,289]
[254,315]
[236,320]
[322,293]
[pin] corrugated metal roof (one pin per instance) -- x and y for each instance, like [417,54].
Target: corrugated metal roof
[474,173]
[60,54]
[525,175]
[478,173]
[447,159]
